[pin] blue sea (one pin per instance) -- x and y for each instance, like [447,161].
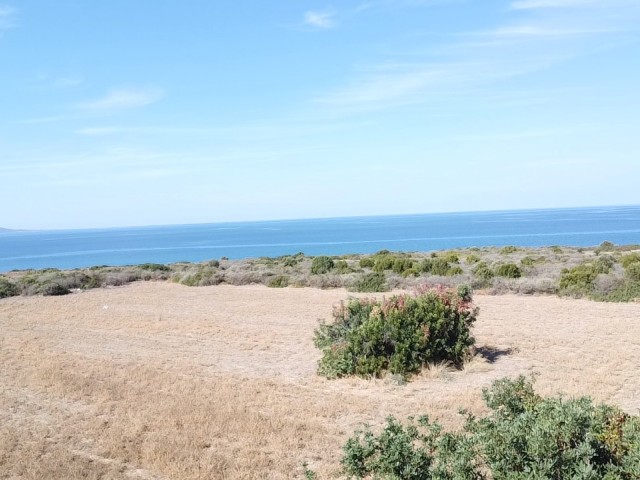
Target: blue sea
[67,249]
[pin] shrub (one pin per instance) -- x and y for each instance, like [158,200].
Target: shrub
[483,271]
[451,257]
[400,265]
[53,289]
[370,282]
[289,261]
[454,271]
[157,267]
[279,281]
[322,264]
[606,246]
[201,277]
[8,288]
[471,259]
[632,258]
[383,262]
[412,272]
[509,270]
[367,262]
[578,280]
[342,267]
[604,263]
[556,249]
[399,335]
[632,272]
[435,266]
[508,249]
[523,437]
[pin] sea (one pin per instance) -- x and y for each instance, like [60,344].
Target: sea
[68,249]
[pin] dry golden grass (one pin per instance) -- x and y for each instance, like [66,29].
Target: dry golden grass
[157,380]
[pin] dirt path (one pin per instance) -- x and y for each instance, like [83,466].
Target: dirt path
[157,380]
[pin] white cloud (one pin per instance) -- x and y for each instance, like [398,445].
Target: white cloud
[543,31]
[319,19]
[123,99]
[532,4]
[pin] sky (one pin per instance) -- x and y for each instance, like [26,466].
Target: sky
[126,113]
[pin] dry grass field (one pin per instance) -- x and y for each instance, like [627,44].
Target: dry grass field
[161,381]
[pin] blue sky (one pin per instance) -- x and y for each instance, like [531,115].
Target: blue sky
[138,113]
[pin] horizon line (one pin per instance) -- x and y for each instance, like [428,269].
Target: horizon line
[299,219]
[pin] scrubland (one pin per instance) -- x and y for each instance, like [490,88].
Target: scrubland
[604,273]
[156,380]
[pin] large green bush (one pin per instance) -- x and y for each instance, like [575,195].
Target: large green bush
[632,272]
[399,335]
[580,280]
[524,437]
[630,259]
[8,288]
[435,266]
[509,270]
[483,272]
[322,264]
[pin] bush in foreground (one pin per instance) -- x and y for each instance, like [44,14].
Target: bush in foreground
[399,335]
[8,288]
[523,437]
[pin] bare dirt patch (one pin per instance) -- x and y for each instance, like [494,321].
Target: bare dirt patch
[157,380]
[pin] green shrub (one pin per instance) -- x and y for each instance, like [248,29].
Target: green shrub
[508,249]
[435,266]
[451,257]
[367,262]
[412,272]
[471,259]
[483,271]
[454,271]
[632,272]
[402,264]
[279,281]
[523,437]
[322,264]
[606,246]
[342,267]
[383,262]
[556,249]
[8,288]
[202,277]
[370,282]
[53,289]
[156,267]
[578,280]
[604,263]
[627,260]
[509,270]
[289,261]
[399,335]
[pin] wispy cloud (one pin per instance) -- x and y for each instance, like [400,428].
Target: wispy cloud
[533,4]
[324,20]
[471,61]
[7,15]
[542,31]
[123,99]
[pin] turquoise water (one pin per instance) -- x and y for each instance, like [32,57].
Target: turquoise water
[166,244]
